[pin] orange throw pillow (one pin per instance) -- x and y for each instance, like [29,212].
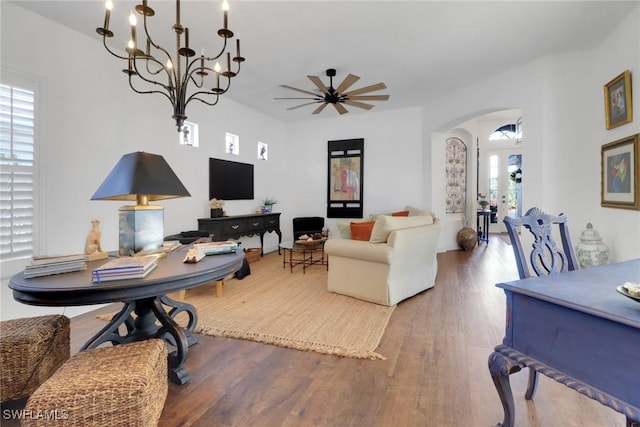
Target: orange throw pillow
[400,213]
[361,230]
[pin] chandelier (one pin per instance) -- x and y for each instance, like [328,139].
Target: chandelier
[182,78]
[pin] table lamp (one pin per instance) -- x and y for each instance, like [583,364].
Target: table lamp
[142,177]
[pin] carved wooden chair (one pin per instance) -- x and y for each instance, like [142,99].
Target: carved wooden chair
[546,257]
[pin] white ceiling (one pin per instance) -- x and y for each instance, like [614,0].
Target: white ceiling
[419,49]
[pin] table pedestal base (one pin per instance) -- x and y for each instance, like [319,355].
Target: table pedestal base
[148,312]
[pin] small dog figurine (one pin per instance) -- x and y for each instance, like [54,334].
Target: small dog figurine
[92,247]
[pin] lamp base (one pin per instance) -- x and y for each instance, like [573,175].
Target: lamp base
[141,230]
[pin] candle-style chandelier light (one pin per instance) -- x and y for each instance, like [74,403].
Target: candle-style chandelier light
[183,78]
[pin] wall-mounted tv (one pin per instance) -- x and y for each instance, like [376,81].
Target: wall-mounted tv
[230,180]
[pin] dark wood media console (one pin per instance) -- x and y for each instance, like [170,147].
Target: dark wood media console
[236,226]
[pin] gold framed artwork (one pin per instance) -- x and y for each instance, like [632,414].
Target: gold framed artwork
[620,180]
[617,100]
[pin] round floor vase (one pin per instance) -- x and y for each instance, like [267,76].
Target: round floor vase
[467,238]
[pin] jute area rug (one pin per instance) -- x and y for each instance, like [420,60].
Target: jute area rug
[294,310]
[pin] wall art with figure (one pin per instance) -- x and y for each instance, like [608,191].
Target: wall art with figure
[344,183]
[617,101]
[620,186]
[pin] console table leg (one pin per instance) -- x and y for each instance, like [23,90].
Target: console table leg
[500,368]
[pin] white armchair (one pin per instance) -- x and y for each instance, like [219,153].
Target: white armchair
[386,273]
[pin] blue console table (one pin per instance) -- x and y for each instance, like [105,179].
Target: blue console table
[576,329]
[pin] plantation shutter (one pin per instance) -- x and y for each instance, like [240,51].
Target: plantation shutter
[17,172]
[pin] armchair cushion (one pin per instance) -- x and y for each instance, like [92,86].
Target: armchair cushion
[384,225]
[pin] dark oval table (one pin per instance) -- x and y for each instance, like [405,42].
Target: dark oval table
[145,297]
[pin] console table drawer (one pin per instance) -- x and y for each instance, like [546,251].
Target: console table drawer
[214,229]
[255,224]
[235,226]
[272,222]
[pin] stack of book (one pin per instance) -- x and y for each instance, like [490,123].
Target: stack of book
[47,265]
[125,268]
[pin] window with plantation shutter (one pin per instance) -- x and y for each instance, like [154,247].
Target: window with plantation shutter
[17,167]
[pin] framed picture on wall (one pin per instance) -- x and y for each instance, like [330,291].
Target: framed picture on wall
[344,183]
[620,181]
[617,101]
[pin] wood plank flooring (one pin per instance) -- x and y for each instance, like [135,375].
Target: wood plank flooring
[437,344]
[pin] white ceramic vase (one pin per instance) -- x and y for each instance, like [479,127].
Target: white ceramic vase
[591,250]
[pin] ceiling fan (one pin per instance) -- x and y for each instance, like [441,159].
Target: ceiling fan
[337,97]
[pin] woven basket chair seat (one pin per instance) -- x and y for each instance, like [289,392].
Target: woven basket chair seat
[31,350]
[123,385]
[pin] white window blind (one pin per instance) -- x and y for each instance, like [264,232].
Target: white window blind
[17,139]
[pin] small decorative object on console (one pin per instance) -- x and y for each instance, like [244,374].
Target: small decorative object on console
[216,208]
[200,250]
[267,204]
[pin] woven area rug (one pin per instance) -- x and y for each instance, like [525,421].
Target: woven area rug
[302,315]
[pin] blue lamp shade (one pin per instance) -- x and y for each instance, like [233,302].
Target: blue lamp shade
[142,177]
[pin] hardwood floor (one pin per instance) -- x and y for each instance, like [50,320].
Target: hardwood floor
[437,344]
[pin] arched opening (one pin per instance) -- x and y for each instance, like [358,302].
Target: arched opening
[494,152]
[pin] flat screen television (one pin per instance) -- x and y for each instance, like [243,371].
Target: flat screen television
[230,180]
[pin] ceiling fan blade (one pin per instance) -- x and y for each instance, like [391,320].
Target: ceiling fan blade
[340,108]
[378,86]
[347,83]
[316,81]
[358,104]
[316,99]
[370,98]
[320,108]
[302,105]
[299,90]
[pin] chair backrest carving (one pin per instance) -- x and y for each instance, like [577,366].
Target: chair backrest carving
[546,256]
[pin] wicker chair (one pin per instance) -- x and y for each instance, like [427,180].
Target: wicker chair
[123,385]
[31,350]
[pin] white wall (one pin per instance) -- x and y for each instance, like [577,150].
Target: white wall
[392,175]
[89,122]
[563,108]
